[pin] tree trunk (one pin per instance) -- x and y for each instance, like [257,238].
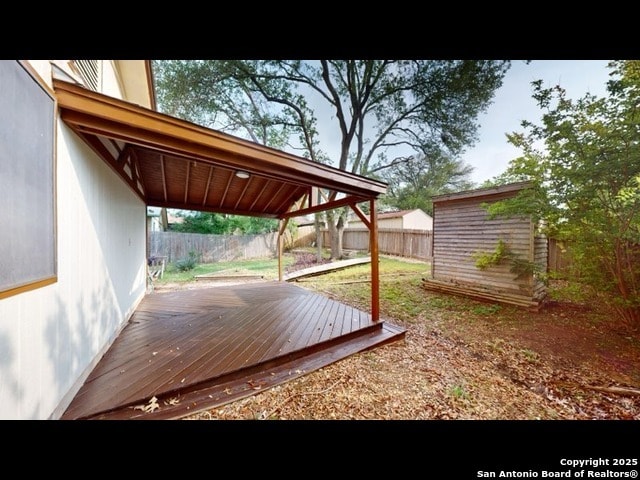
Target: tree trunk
[164,219]
[625,281]
[340,230]
[319,238]
[335,223]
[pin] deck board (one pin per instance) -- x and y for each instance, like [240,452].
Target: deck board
[186,342]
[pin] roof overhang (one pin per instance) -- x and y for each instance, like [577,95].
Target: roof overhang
[169,162]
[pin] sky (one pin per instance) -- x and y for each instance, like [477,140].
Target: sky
[512,103]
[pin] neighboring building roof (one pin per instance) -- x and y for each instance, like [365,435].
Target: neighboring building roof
[398,214]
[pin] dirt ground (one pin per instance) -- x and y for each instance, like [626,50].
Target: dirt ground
[463,359]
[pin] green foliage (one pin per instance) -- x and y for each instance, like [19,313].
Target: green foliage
[201,222]
[583,162]
[531,355]
[413,181]
[219,224]
[188,263]
[487,310]
[459,392]
[220,94]
[485,260]
[252,225]
[503,254]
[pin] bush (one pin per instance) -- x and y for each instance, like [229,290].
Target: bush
[188,263]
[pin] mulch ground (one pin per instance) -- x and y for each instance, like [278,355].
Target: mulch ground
[567,362]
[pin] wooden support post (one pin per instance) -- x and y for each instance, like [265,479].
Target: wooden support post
[375,266]
[281,231]
[280,252]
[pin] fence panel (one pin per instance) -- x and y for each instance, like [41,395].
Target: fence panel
[212,248]
[391,241]
[559,260]
[405,243]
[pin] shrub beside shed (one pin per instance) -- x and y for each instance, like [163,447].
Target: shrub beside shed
[496,259]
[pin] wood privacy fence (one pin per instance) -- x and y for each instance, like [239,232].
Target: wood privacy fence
[212,248]
[559,260]
[391,241]
[405,243]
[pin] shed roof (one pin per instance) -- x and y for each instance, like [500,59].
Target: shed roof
[481,192]
[169,162]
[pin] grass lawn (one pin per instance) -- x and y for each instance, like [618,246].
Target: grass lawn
[401,296]
[267,267]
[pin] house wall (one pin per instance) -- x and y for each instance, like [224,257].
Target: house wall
[413,220]
[51,337]
[391,223]
[417,220]
[395,222]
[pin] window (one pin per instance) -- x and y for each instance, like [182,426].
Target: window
[27,180]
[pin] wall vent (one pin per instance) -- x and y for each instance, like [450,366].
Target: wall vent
[90,72]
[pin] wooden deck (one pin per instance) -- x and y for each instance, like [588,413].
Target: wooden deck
[197,349]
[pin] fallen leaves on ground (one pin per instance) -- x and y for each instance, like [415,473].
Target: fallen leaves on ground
[432,376]
[467,360]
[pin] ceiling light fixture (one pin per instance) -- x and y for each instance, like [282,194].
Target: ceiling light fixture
[242,174]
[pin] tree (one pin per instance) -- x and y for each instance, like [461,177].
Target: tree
[201,222]
[584,162]
[414,181]
[384,111]
[216,223]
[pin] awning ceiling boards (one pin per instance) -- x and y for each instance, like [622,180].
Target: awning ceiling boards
[173,163]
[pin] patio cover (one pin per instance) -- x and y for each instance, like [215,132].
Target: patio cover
[173,163]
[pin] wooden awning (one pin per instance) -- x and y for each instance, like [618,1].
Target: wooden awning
[173,163]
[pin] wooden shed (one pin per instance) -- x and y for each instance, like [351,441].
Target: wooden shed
[496,259]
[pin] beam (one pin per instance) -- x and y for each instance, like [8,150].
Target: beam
[99,148]
[164,179]
[324,206]
[206,189]
[360,215]
[158,202]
